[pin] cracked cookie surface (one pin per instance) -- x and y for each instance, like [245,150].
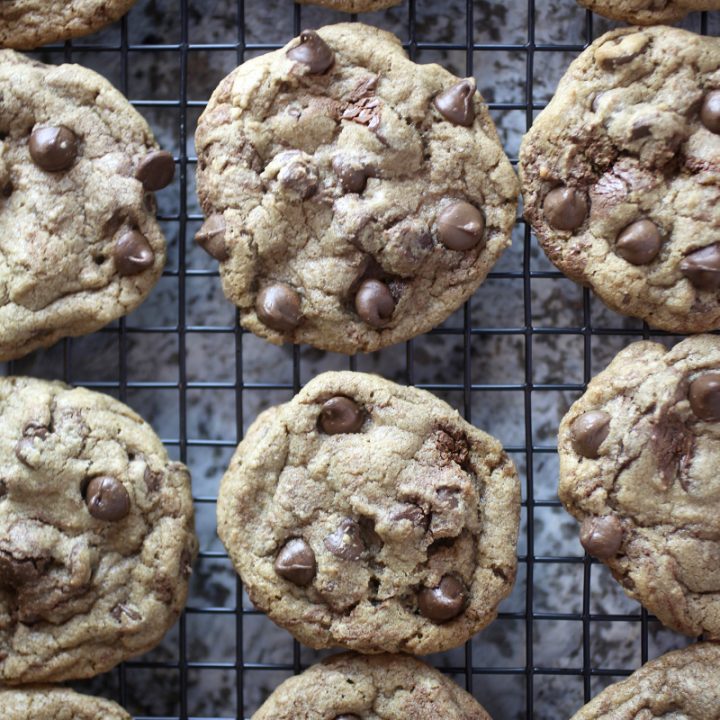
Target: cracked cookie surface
[682,685]
[648,12]
[354,199]
[57,703]
[27,24]
[621,175]
[79,242]
[368,515]
[352,6]
[96,533]
[384,687]
[639,458]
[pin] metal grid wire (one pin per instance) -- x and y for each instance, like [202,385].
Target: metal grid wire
[122,54]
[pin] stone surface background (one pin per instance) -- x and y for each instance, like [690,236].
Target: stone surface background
[230,376]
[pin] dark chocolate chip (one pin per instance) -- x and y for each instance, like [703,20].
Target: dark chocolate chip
[710,111]
[352,178]
[156,170]
[413,513]
[53,148]
[278,307]
[460,226]
[639,243]
[296,562]
[313,52]
[702,268]
[132,253]
[341,415]
[107,499]
[211,237]
[565,208]
[346,542]
[601,536]
[456,103]
[374,303]
[444,602]
[588,432]
[704,396]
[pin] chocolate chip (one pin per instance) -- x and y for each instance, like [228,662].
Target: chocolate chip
[702,268]
[352,178]
[639,243]
[132,253]
[374,303]
[296,562]
[156,170]
[704,396]
[341,415]
[211,237]
[346,542]
[588,433]
[415,514]
[710,111]
[565,208]
[107,499]
[297,175]
[313,52]
[601,536]
[444,602]
[278,307]
[53,148]
[456,103]
[347,717]
[460,226]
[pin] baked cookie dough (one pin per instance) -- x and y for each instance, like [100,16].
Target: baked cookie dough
[79,243]
[96,533]
[620,175]
[682,685]
[27,24]
[56,703]
[639,459]
[370,516]
[383,687]
[352,6]
[353,198]
[648,12]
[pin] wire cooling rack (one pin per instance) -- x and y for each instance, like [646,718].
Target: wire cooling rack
[512,360]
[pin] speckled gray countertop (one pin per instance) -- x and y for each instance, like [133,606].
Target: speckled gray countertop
[197,386]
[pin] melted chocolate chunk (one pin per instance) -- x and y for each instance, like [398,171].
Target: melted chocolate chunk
[313,52]
[107,499]
[341,415]
[565,208]
[456,103]
[296,562]
[589,431]
[601,536]
[156,170]
[346,542]
[278,307]
[53,148]
[444,602]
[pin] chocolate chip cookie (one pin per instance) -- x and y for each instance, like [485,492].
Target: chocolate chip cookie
[684,684]
[384,687]
[26,24]
[353,198]
[352,6]
[370,516]
[79,243]
[648,12]
[620,175]
[45,702]
[96,533]
[639,459]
